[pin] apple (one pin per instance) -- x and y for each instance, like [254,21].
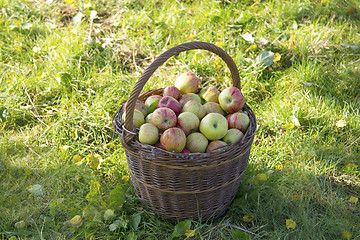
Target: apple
[173,139]
[210,94]
[233,135]
[138,118]
[148,118]
[187,83]
[196,142]
[163,118]
[238,120]
[185,151]
[139,105]
[153,98]
[231,99]
[214,145]
[172,91]
[170,102]
[214,126]
[187,97]
[188,122]
[197,108]
[213,107]
[148,134]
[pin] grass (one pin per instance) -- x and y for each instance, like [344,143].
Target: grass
[62,80]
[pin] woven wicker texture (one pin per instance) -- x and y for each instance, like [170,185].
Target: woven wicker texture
[181,186]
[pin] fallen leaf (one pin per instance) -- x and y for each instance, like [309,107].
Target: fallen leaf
[248,218]
[21,224]
[353,199]
[353,47]
[239,235]
[109,214]
[290,224]
[346,235]
[248,37]
[94,193]
[351,10]
[341,123]
[93,161]
[265,58]
[262,177]
[190,233]
[36,189]
[76,221]
[64,148]
[277,57]
[77,159]
[181,227]
[288,126]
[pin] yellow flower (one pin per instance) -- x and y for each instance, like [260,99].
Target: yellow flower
[290,224]
[125,178]
[77,159]
[189,36]
[69,1]
[190,233]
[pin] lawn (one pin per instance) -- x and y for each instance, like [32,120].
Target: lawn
[67,66]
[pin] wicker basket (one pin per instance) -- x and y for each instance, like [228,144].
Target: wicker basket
[182,186]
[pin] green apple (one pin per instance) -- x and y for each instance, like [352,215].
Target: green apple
[148,134]
[210,94]
[153,98]
[213,107]
[231,99]
[138,118]
[139,105]
[148,118]
[187,83]
[216,145]
[233,135]
[196,143]
[194,107]
[188,122]
[187,97]
[214,126]
[173,139]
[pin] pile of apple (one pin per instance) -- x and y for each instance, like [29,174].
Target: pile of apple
[184,121]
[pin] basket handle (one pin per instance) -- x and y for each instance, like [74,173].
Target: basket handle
[159,61]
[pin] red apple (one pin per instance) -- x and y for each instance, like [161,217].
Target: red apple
[213,107]
[196,142]
[187,97]
[214,126]
[148,134]
[170,102]
[238,120]
[172,91]
[187,83]
[233,135]
[210,94]
[188,122]
[173,139]
[216,145]
[163,118]
[185,151]
[231,99]
[197,108]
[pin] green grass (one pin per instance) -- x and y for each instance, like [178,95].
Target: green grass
[61,82]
